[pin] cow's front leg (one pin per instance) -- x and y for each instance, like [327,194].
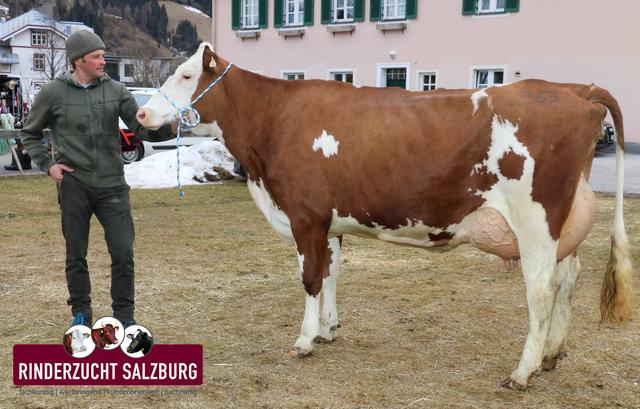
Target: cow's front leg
[567,270]
[538,268]
[329,320]
[314,259]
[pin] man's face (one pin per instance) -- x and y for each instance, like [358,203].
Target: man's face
[92,64]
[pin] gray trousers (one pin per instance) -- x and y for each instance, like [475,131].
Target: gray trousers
[78,203]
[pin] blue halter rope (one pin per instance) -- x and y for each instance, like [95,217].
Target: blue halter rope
[183,120]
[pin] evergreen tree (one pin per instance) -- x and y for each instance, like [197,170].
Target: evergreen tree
[186,37]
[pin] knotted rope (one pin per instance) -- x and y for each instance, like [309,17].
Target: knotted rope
[185,123]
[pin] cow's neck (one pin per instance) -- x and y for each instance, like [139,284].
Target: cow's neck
[244,109]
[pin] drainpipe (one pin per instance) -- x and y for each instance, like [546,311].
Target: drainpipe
[214,26]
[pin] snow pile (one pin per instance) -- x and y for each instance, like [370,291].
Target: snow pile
[195,10]
[159,170]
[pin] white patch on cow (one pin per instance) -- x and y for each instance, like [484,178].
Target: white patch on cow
[213,130]
[77,341]
[527,218]
[274,215]
[414,233]
[475,99]
[179,87]
[327,143]
[300,265]
[329,318]
[476,169]
[310,324]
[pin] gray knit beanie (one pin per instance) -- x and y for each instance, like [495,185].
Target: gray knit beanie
[81,43]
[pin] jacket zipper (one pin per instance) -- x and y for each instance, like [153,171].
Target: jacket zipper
[94,150]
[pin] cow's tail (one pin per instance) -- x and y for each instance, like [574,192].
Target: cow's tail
[617,297]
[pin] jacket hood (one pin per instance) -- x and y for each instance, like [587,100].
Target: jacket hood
[68,78]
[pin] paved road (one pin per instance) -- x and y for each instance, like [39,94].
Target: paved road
[603,173]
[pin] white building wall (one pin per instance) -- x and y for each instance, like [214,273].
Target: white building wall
[582,41]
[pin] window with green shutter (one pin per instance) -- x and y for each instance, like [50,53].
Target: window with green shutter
[473,7]
[248,14]
[341,11]
[292,13]
[393,9]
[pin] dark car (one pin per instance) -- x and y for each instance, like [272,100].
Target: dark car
[608,137]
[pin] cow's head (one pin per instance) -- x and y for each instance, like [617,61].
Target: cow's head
[138,342]
[189,80]
[109,334]
[77,341]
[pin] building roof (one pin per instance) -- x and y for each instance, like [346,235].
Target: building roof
[34,19]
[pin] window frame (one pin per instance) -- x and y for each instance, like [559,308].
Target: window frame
[125,67]
[381,73]
[342,71]
[299,13]
[284,73]
[37,59]
[385,5]
[345,8]
[493,7]
[492,69]
[243,16]
[420,79]
[38,34]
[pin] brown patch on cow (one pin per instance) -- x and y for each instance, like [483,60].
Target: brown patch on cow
[511,165]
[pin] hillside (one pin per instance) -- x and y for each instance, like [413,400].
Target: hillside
[178,12]
[122,39]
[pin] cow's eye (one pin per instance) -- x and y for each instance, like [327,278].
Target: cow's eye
[186,76]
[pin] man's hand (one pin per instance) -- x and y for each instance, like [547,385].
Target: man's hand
[56,172]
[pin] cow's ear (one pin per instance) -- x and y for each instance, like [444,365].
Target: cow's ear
[208,59]
[130,336]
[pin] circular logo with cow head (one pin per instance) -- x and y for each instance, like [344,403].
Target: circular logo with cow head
[107,333]
[77,341]
[137,341]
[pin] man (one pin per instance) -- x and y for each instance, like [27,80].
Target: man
[81,106]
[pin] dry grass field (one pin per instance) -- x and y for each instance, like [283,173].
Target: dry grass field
[419,329]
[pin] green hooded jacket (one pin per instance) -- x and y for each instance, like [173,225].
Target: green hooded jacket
[84,123]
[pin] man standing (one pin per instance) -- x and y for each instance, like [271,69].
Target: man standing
[82,106]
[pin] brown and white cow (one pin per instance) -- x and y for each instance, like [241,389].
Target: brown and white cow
[503,168]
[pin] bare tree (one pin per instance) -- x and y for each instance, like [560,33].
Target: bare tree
[146,72]
[55,57]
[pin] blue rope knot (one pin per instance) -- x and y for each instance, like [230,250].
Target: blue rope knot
[183,117]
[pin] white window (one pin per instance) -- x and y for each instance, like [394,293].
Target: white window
[250,13]
[38,37]
[344,76]
[38,62]
[490,6]
[394,9]
[343,10]
[427,81]
[128,70]
[293,76]
[487,78]
[294,12]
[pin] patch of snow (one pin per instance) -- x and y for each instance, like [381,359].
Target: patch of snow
[195,10]
[159,170]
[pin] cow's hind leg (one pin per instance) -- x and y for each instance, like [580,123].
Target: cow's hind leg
[538,257]
[329,319]
[567,271]
[314,259]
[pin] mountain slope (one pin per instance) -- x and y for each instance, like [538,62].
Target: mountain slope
[177,12]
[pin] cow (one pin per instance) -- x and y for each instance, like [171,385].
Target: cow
[74,342]
[140,342]
[504,169]
[104,336]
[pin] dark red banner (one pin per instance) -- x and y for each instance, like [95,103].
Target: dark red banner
[49,364]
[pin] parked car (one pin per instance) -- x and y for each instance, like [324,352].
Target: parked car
[134,149]
[608,136]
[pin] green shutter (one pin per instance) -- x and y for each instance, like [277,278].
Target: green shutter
[278,13]
[412,9]
[358,12]
[308,12]
[235,14]
[325,15]
[469,7]
[376,10]
[263,13]
[512,6]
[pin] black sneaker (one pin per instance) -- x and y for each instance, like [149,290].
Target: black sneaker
[80,319]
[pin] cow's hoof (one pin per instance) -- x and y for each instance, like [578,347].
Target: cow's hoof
[511,384]
[323,340]
[550,363]
[326,335]
[297,352]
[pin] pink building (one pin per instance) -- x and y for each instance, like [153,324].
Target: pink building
[425,44]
